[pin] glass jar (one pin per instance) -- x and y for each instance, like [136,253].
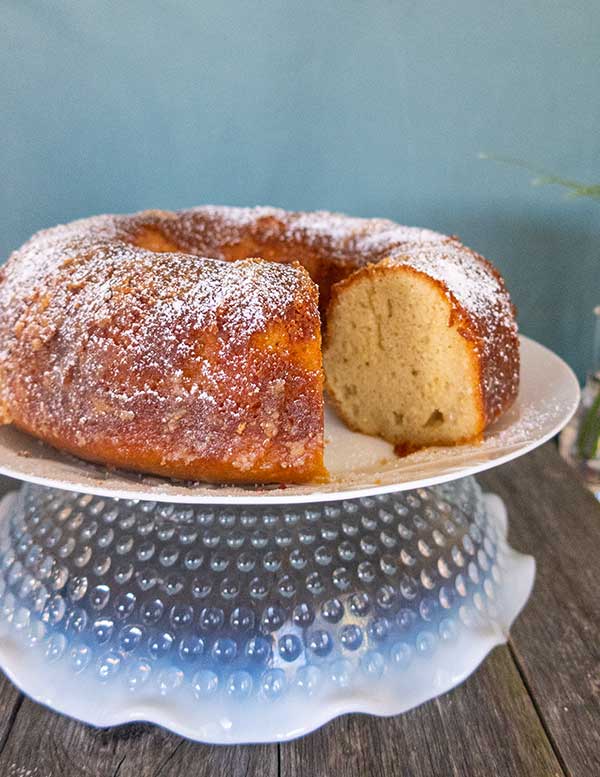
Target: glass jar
[579,442]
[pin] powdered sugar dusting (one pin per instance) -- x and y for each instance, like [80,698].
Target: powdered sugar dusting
[104,339]
[477,293]
[470,281]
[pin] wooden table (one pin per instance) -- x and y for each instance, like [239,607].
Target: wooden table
[532,708]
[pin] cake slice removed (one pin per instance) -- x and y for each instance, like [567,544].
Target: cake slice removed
[421,349]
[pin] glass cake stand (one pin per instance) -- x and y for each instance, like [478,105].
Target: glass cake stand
[243,615]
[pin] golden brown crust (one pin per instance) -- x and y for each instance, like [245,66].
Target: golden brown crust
[487,323]
[165,363]
[122,343]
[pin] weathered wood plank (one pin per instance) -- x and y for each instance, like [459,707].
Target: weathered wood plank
[44,744]
[556,643]
[10,700]
[487,726]
[8,484]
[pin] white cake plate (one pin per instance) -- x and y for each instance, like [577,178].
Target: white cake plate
[359,465]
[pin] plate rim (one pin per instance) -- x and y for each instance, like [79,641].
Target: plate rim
[279,497]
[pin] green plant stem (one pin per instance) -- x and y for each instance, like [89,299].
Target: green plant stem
[575,189]
[589,431]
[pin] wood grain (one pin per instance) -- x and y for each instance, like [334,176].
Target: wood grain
[44,744]
[557,641]
[531,709]
[488,726]
[10,701]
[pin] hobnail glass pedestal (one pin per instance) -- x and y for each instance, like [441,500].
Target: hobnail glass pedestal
[232,623]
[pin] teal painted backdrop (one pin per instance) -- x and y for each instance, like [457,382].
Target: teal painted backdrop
[374,108]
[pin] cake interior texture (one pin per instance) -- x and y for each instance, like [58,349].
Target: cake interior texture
[197,344]
[397,365]
[395,362]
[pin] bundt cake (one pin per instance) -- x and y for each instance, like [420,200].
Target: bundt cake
[159,341]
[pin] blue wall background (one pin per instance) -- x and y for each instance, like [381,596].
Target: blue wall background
[374,108]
